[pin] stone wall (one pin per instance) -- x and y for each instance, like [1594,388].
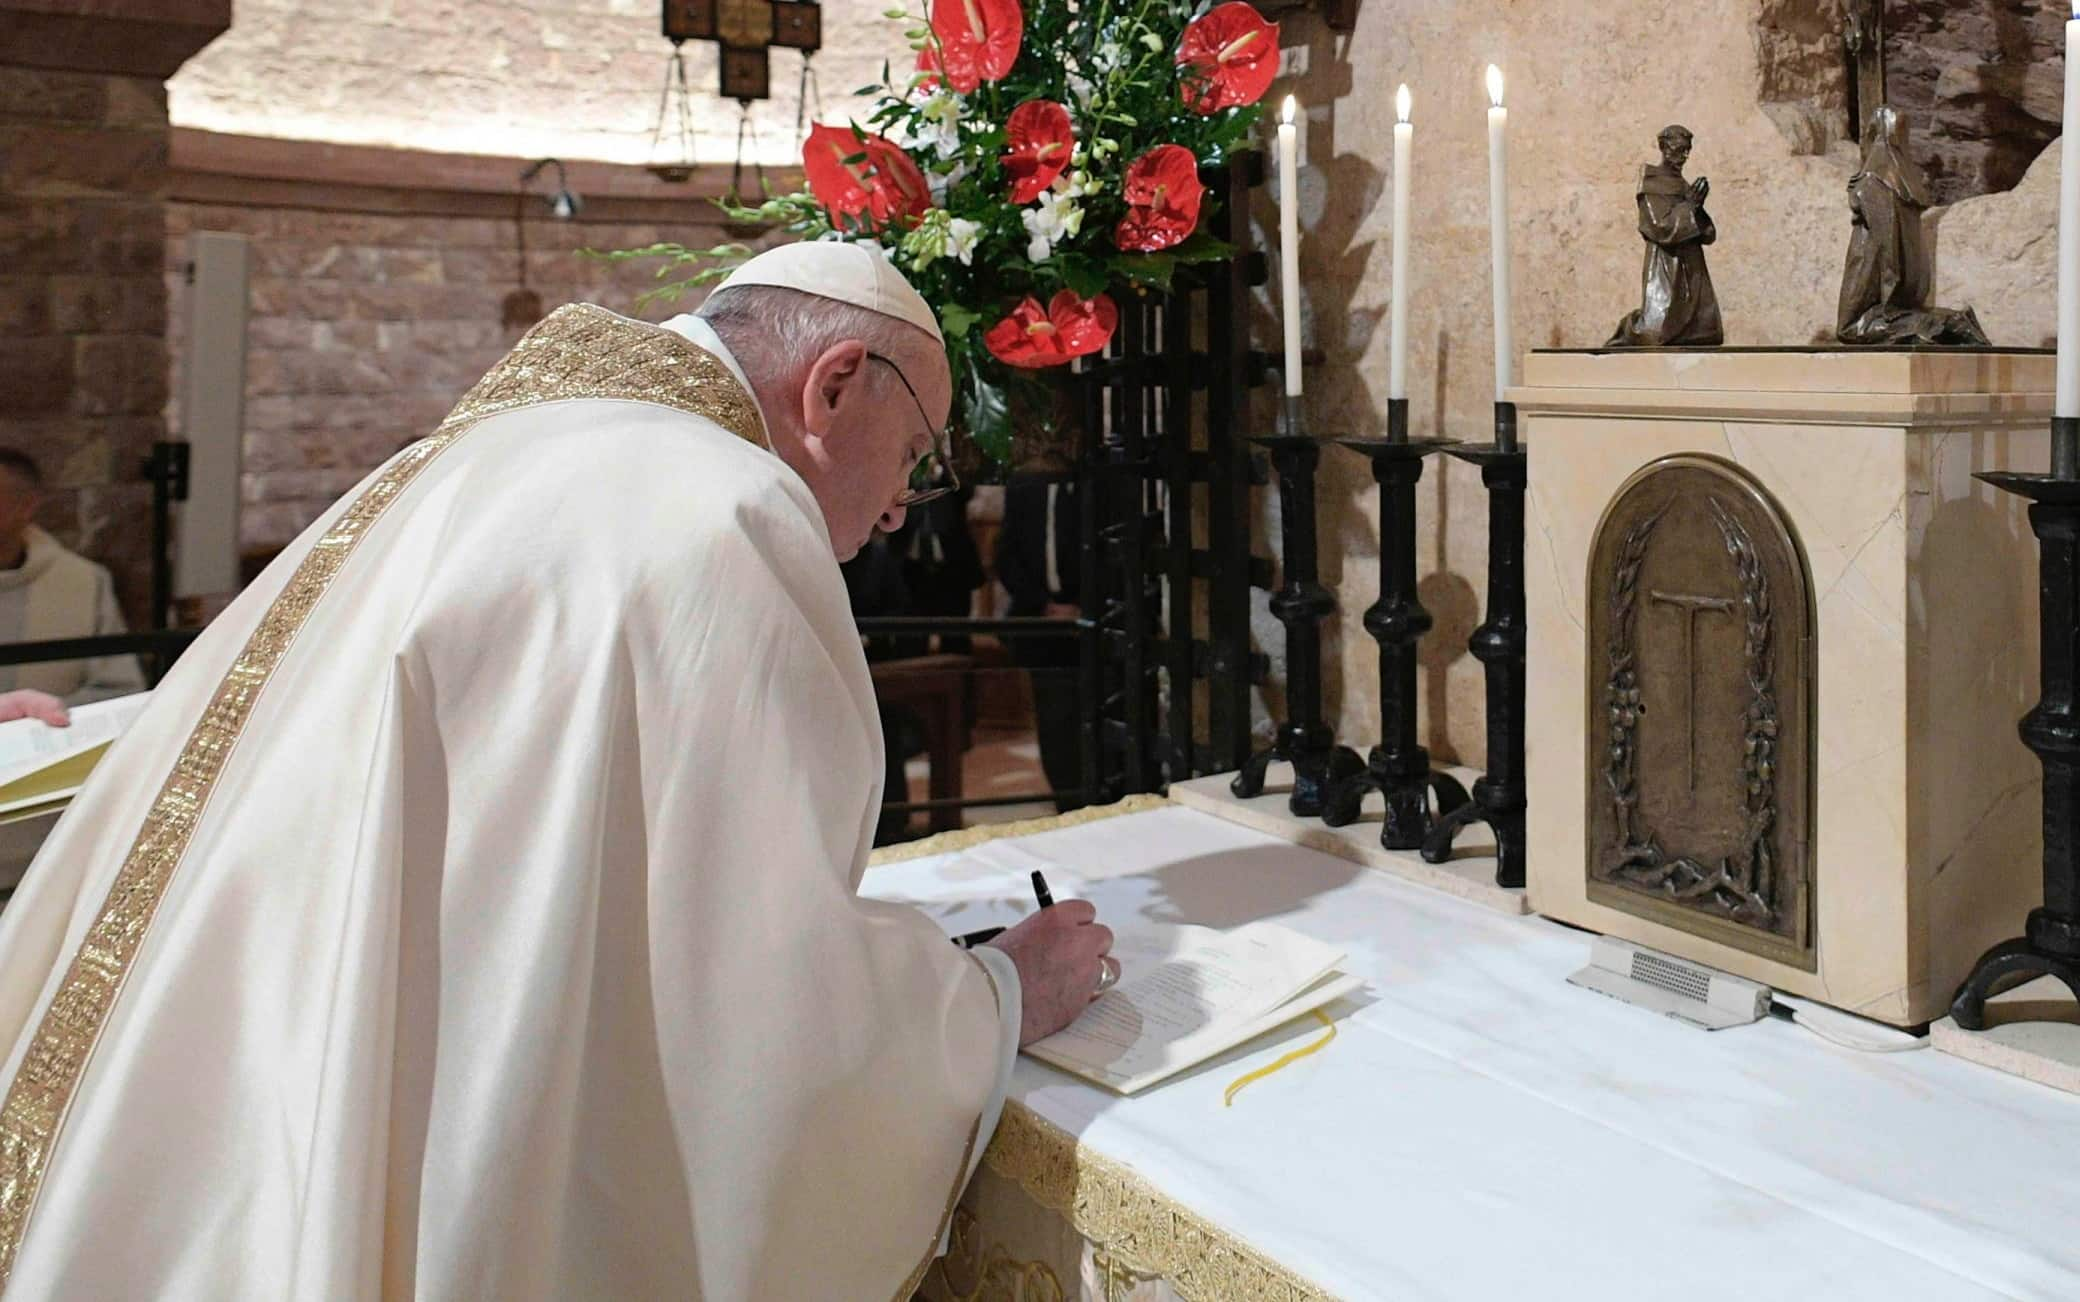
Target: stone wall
[367,326]
[1981,83]
[1590,83]
[570,78]
[83,167]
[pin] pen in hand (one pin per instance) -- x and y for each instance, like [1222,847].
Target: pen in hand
[987,934]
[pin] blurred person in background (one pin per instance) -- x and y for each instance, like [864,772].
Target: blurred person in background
[48,593]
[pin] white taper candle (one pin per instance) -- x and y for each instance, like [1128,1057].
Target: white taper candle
[2069,230]
[1289,239]
[1397,317]
[1498,229]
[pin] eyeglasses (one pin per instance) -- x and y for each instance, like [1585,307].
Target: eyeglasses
[932,477]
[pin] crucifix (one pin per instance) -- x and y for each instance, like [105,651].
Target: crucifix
[1864,35]
[1691,607]
[746,30]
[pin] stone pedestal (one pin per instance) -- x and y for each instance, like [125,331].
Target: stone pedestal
[1920,839]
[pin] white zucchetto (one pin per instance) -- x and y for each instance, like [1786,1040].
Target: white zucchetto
[844,272]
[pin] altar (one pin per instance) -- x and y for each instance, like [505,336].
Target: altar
[1478,1128]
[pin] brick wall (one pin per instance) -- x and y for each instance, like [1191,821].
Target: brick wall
[83,304]
[365,329]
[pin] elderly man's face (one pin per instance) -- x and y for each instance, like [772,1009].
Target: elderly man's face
[1675,151]
[872,433]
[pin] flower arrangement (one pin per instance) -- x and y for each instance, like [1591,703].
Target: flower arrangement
[1037,157]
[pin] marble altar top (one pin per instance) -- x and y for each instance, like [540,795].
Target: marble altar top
[1482,1129]
[1905,387]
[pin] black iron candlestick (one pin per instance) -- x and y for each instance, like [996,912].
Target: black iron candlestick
[1301,604]
[2050,943]
[1398,768]
[1498,795]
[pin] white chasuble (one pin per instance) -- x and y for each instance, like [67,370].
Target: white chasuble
[472,914]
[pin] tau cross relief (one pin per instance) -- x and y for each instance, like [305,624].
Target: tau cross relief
[1699,631]
[746,30]
[1688,608]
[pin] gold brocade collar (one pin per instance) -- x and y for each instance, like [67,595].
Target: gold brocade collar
[583,351]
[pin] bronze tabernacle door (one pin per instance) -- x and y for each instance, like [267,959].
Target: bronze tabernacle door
[1701,710]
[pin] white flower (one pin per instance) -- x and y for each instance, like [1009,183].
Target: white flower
[1054,218]
[962,236]
[936,126]
[1108,57]
[943,106]
[1076,183]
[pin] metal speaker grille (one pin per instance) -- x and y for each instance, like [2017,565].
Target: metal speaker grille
[1675,978]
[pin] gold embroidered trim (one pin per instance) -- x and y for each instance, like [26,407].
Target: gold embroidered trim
[962,838]
[577,352]
[1121,1213]
[582,351]
[998,1276]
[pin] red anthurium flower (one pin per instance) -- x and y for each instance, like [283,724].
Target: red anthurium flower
[928,64]
[978,39]
[1040,140]
[883,187]
[1070,327]
[1230,55]
[1163,192]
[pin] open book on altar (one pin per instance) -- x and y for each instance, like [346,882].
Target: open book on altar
[42,768]
[1187,994]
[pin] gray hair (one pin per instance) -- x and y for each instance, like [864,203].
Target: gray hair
[774,332]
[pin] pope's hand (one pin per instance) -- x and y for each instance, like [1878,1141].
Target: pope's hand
[1059,952]
[30,704]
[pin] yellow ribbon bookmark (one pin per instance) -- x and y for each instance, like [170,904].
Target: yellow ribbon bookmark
[1243,1082]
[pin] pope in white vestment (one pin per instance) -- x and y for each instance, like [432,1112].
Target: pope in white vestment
[472,913]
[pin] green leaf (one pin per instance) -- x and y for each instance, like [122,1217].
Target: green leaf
[988,414]
[1201,247]
[1085,276]
[956,320]
[1153,269]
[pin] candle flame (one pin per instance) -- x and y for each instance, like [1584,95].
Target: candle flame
[1285,114]
[1495,85]
[1403,101]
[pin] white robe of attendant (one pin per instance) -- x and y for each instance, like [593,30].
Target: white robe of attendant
[515,951]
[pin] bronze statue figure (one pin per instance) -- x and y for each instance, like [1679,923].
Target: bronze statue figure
[1886,283]
[1677,305]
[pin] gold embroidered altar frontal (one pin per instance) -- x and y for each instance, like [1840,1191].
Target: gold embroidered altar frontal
[1047,1219]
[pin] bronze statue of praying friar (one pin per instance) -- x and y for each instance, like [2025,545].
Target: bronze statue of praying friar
[1886,282]
[1677,305]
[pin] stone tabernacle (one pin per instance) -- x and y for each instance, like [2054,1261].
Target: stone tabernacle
[1781,637]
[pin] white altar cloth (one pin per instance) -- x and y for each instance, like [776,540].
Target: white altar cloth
[1481,1129]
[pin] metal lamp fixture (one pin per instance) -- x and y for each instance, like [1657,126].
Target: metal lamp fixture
[523,306]
[563,205]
